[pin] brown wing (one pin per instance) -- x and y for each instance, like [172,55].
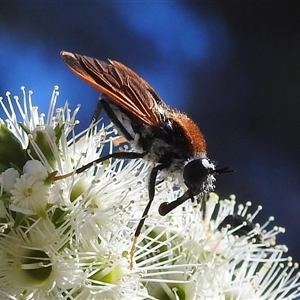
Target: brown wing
[119,83]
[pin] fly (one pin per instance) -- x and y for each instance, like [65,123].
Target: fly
[157,132]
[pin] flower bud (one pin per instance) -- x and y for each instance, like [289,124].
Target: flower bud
[11,150]
[43,137]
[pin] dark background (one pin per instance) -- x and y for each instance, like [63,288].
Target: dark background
[234,67]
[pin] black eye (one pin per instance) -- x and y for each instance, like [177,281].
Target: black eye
[195,172]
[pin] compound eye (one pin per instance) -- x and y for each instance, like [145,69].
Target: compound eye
[196,171]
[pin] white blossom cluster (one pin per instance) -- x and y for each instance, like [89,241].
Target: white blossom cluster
[68,237]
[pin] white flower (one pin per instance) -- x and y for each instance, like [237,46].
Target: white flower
[188,258]
[9,178]
[30,193]
[35,169]
[67,236]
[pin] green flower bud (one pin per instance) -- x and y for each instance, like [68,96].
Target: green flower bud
[41,139]
[11,151]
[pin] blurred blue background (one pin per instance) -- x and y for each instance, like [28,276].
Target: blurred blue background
[233,67]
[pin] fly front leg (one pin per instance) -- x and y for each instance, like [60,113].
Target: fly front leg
[151,190]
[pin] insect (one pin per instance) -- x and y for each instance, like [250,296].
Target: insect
[157,132]
[243,225]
